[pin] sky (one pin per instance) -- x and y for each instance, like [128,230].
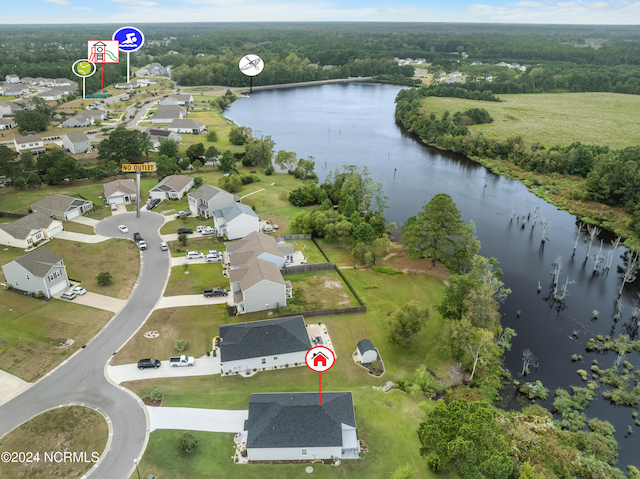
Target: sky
[612,12]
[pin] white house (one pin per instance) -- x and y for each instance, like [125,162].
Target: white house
[15,90]
[174,186]
[178,99]
[120,191]
[50,95]
[64,82]
[76,142]
[263,344]
[157,134]
[62,207]
[235,220]
[79,120]
[260,246]
[127,86]
[168,113]
[7,123]
[29,142]
[155,70]
[25,231]
[5,109]
[206,199]
[11,78]
[27,81]
[193,127]
[39,271]
[296,426]
[455,74]
[476,63]
[366,351]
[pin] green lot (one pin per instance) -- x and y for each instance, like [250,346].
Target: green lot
[31,332]
[318,290]
[337,254]
[196,243]
[555,118]
[309,249]
[19,201]
[78,228]
[199,278]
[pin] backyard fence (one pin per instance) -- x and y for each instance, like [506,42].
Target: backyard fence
[296,237]
[6,214]
[305,268]
[327,312]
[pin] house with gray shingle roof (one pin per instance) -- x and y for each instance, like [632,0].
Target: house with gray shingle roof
[120,191]
[192,127]
[235,220]
[297,426]
[168,113]
[79,120]
[29,142]
[206,199]
[157,135]
[181,99]
[15,90]
[174,186]
[76,142]
[39,271]
[62,207]
[7,123]
[30,229]
[263,344]
[12,78]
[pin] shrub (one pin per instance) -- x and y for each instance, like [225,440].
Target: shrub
[270,170]
[180,345]
[402,384]
[434,462]
[156,395]
[534,390]
[387,271]
[104,278]
[187,442]
[214,353]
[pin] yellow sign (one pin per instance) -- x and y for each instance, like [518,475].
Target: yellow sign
[138,167]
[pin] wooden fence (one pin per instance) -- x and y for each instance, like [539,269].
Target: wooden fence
[305,268]
[6,214]
[295,237]
[327,312]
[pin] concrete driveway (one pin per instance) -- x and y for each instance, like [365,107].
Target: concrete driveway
[11,386]
[129,372]
[120,210]
[180,260]
[99,301]
[83,220]
[194,419]
[81,238]
[192,300]
[169,237]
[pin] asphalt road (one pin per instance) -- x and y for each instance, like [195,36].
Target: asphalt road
[81,379]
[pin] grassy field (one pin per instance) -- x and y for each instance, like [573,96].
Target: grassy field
[78,228]
[200,277]
[197,243]
[31,332]
[555,118]
[318,290]
[19,201]
[84,261]
[309,249]
[338,255]
[76,429]
[198,325]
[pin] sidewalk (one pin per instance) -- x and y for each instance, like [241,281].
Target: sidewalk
[192,300]
[194,419]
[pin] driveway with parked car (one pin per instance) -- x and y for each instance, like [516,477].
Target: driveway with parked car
[131,372]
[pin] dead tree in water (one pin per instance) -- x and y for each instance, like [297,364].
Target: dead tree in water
[546,227]
[629,270]
[557,269]
[513,211]
[598,258]
[528,359]
[578,232]
[565,290]
[615,245]
[593,232]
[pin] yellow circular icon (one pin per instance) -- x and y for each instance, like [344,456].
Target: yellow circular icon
[84,68]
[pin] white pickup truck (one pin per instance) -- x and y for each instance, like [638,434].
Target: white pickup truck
[182,361]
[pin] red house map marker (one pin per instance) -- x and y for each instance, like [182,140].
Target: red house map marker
[320,359]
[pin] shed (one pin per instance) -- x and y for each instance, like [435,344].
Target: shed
[366,351]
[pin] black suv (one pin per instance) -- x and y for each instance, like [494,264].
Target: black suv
[148,363]
[184,231]
[137,237]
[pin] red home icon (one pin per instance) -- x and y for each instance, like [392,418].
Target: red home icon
[319,359]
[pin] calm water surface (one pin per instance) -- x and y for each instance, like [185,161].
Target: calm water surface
[353,124]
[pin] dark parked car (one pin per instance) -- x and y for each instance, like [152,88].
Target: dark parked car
[184,231]
[148,363]
[208,293]
[136,237]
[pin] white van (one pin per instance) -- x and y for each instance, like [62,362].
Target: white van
[201,228]
[213,258]
[195,255]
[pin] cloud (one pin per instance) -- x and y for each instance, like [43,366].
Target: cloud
[137,3]
[553,11]
[87,9]
[58,2]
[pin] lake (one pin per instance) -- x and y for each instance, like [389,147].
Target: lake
[353,124]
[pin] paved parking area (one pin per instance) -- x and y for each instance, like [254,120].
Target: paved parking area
[96,300]
[129,372]
[11,386]
[194,419]
[80,237]
[192,300]
[83,220]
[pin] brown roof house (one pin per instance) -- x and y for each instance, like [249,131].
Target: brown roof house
[120,191]
[174,186]
[39,271]
[254,275]
[30,229]
[62,207]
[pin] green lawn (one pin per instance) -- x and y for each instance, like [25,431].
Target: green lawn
[31,332]
[200,277]
[188,222]
[337,254]
[19,201]
[84,261]
[309,249]
[4,219]
[197,243]
[555,118]
[318,290]
[78,228]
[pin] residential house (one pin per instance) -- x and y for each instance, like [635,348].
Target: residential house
[29,142]
[156,70]
[366,352]
[39,271]
[206,199]
[27,81]
[5,109]
[455,75]
[514,65]
[38,81]
[327,67]
[261,246]
[168,113]
[187,126]
[25,231]
[12,78]
[263,344]
[235,220]
[312,65]
[15,90]
[79,120]
[421,60]
[157,134]
[174,186]
[7,123]
[120,191]
[297,426]
[97,115]
[62,207]
[51,95]
[126,86]
[476,63]
[179,99]
[76,142]
[64,82]
[502,64]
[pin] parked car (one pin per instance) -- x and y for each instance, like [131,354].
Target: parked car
[208,231]
[209,293]
[123,228]
[177,215]
[142,244]
[201,228]
[68,295]
[164,246]
[114,207]
[195,255]
[151,206]
[148,363]
[137,237]
[185,231]
[185,213]
[182,361]
[213,258]
[79,290]
[212,251]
